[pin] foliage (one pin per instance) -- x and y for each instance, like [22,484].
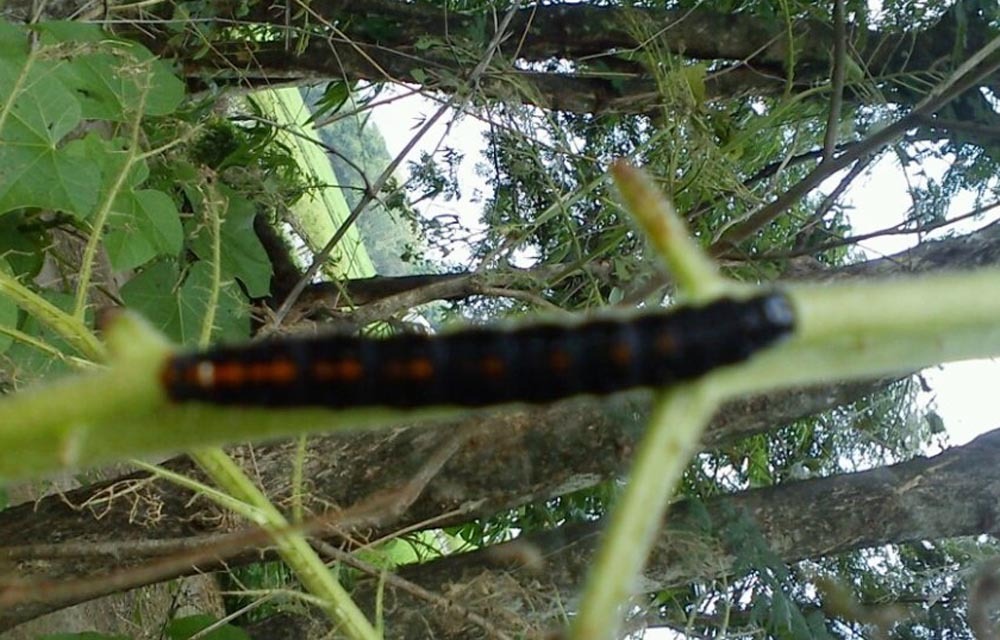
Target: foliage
[188,626]
[112,156]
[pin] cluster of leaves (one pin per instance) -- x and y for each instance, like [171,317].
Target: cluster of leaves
[716,161]
[96,151]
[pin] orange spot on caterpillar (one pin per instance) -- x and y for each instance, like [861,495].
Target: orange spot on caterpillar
[281,371]
[418,369]
[621,354]
[348,370]
[559,360]
[492,367]
[664,343]
[230,374]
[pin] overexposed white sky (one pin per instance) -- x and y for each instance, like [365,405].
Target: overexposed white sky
[962,392]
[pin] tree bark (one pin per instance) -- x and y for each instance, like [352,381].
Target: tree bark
[431,46]
[527,585]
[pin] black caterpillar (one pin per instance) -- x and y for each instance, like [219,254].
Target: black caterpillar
[480,367]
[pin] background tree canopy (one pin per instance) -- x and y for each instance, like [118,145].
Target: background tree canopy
[133,136]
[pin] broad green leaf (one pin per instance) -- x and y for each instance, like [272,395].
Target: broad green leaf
[35,171]
[110,76]
[112,155]
[161,221]
[179,311]
[184,628]
[144,225]
[243,256]
[13,40]
[127,248]
[232,317]
[47,178]
[152,294]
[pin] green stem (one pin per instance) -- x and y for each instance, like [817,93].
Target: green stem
[292,546]
[44,347]
[675,427]
[240,495]
[694,271]
[852,331]
[212,206]
[69,328]
[132,155]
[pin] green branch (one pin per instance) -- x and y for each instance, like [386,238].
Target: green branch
[68,327]
[852,331]
[133,155]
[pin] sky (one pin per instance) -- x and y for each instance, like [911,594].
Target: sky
[961,392]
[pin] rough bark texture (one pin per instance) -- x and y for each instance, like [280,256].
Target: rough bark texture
[382,40]
[515,457]
[526,586]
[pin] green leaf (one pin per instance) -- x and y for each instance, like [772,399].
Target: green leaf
[34,169]
[13,39]
[334,96]
[243,256]
[178,311]
[232,318]
[184,628]
[78,73]
[161,220]
[144,225]
[152,294]
[110,76]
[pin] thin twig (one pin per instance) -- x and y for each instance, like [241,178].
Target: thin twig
[376,511]
[837,80]
[968,75]
[409,587]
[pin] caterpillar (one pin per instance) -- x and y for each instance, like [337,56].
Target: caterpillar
[483,366]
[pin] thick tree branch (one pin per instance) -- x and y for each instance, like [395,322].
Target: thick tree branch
[421,44]
[538,575]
